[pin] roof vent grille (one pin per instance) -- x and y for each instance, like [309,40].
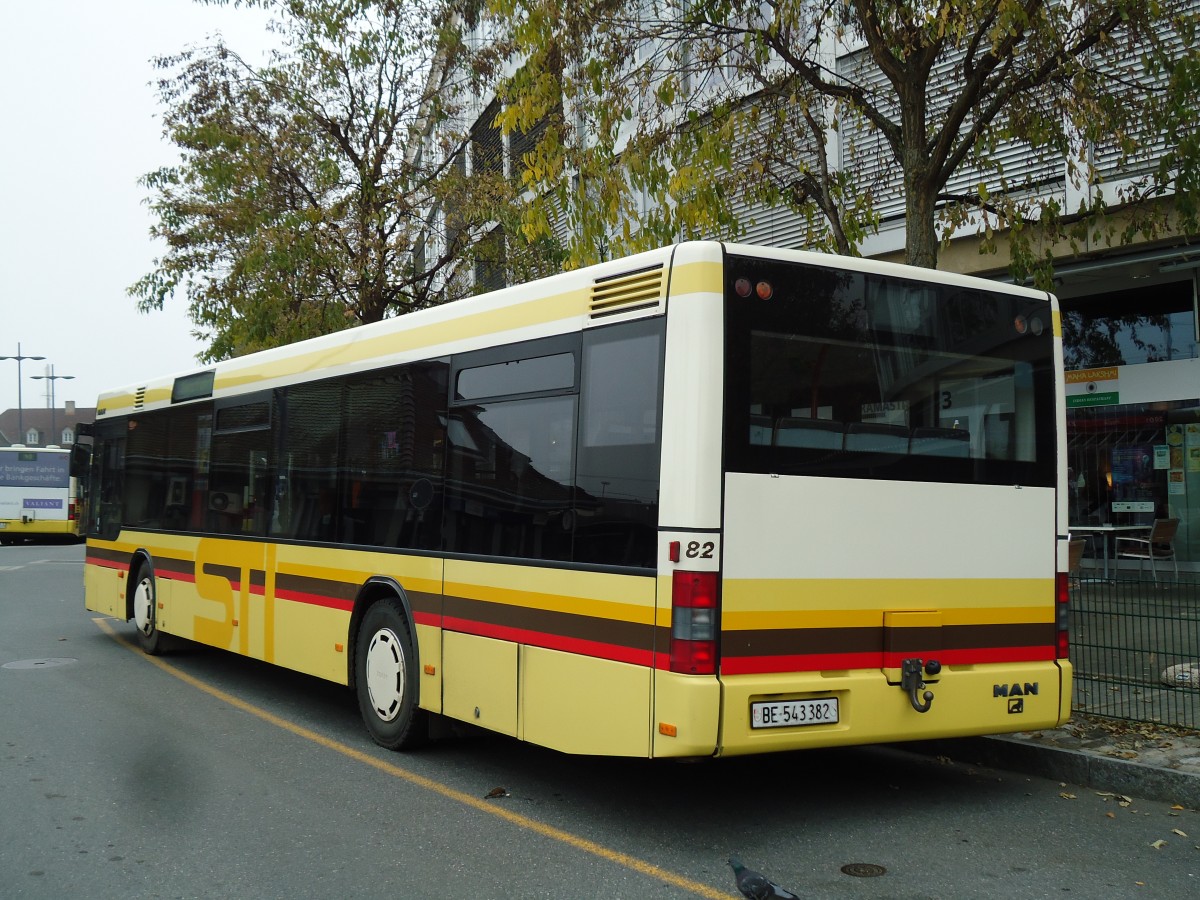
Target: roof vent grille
[627,292]
[139,398]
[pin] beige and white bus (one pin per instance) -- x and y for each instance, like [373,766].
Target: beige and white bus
[38,496]
[708,500]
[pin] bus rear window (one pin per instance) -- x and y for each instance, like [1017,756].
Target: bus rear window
[857,375]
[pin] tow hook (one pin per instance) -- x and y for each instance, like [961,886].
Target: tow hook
[911,682]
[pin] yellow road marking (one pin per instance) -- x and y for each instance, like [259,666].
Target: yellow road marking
[549,831]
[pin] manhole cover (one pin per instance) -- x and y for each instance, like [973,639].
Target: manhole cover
[863,870]
[49,663]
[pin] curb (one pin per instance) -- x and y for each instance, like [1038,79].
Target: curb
[1074,766]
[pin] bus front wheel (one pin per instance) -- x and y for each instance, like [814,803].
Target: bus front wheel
[145,612]
[385,681]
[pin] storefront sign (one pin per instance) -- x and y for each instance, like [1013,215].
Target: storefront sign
[1093,387]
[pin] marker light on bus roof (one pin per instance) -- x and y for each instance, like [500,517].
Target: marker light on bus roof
[764,290]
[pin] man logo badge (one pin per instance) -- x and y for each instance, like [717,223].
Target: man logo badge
[1016,705]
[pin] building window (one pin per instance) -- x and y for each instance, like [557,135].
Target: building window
[32,437]
[1130,327]
[68,436]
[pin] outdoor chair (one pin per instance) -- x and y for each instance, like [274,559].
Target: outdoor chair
[1158,545]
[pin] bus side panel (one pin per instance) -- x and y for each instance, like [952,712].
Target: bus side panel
[584,642]
[104,580]
[578,704]
[480,685]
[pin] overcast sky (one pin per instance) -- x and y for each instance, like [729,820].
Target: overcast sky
[79,124]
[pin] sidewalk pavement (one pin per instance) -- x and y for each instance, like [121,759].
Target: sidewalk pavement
[1130,758]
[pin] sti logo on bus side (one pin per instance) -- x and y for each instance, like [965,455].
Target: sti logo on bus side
[1016,694]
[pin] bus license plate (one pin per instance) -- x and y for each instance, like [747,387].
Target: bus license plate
[790,713]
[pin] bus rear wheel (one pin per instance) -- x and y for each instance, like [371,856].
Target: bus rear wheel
[385,678]
[145,612]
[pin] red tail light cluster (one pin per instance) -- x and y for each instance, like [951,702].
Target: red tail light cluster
[1061,624]
[694,623]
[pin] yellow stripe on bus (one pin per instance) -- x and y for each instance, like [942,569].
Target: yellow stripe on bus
[426,338]
[698,277]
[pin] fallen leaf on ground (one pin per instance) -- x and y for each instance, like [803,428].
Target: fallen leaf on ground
[1178,832]
[1067,796]
[1159,844]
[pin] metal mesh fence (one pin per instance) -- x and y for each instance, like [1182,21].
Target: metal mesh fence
[1135,646]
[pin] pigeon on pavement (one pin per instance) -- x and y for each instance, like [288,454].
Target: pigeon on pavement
[756,886]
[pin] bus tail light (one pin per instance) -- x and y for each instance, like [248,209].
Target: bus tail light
[71,511]
[1062,637]
[694,623]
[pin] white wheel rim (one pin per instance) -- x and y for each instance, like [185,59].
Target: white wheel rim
[385,674]
[143,606]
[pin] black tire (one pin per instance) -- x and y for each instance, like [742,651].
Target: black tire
[385,678]
[144,607]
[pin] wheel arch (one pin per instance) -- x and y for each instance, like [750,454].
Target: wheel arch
[140,558]
[375,588]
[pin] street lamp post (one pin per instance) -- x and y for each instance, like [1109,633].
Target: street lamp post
[52,378]
[20,416]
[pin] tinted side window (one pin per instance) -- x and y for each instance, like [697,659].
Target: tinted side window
[240,484]
[394,449]
[510,476]
[619,445]
[306,488]
[510,479]
[107,479]
[145,492]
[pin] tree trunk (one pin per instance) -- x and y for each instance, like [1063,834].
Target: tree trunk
[920,235]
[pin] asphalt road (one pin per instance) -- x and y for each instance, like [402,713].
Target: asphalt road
[206,775]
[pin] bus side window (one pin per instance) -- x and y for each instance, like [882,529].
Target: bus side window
[243,464]
[617,481]
[392,457]
[107,480]
[305,489]
[145,471]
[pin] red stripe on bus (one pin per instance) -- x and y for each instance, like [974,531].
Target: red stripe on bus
[108,563]
[314,600]
[168,575]
[551,641]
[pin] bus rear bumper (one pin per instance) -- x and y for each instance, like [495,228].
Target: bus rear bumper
[967,700]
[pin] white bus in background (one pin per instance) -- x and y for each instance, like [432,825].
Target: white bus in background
[38,498]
